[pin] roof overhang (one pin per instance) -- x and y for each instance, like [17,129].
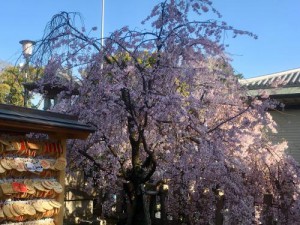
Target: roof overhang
[283,86]
[24,120]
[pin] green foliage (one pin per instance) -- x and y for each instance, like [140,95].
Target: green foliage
[4,92]
[11,84]
[11,87]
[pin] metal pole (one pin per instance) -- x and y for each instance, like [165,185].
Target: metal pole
[26,68]
[102,24]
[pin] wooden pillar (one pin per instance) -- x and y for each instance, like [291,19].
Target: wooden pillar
[267,214]
[163,191]
[61,179]
[219,218]
[146,206]
[97,205]
[152,207]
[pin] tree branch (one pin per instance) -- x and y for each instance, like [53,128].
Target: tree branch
[227,120]
[91,159]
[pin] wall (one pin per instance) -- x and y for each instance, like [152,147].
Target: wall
[78,201]
[288,122]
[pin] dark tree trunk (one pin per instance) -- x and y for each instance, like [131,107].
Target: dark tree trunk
[139,217]
[136,212]
[141,170]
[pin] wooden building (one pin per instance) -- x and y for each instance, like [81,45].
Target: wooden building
[284,87]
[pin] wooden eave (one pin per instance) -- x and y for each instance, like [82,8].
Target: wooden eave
[14,119]
[51,90]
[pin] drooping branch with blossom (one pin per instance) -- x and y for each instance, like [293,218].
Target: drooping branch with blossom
[168,108]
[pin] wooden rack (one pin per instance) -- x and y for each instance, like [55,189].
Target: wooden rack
[17,148]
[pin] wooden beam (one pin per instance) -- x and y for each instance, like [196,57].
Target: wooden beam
[16,126]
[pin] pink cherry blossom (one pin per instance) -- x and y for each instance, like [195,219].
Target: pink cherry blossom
[168,109]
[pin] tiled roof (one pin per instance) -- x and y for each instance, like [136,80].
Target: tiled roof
[283,86]
[286,79]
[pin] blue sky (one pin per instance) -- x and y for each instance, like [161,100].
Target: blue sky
[276,22]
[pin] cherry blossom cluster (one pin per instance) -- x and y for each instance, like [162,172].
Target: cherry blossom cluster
[168,108]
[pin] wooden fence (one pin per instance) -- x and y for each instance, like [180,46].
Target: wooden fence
[158,216]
